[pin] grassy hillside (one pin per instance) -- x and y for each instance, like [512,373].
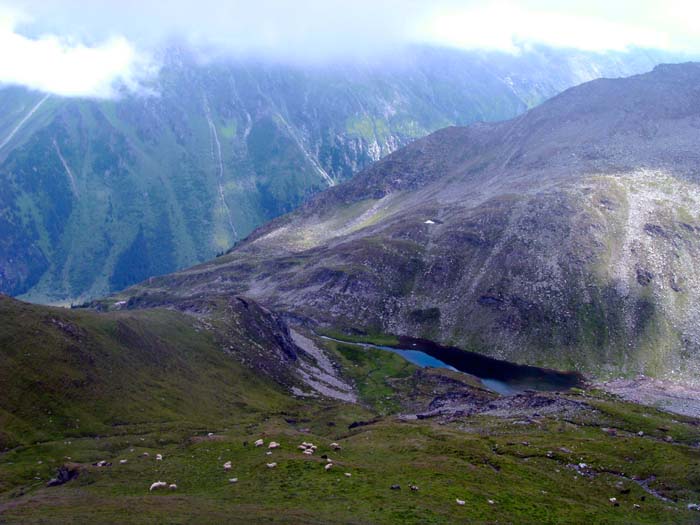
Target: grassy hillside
[74,374]
[83,387]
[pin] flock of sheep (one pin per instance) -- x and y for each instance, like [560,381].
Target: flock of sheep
[307,448]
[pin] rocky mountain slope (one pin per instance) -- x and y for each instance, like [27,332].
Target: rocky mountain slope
[97,195]
[566,237]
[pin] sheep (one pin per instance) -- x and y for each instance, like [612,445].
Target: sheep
[460,502]
[491,502]
[302,447]
[414,488]
[328,466]
[172,486]
[158,485]
[335,446]
[145,454]
[271,465]
[268,453]
[159,457]
[308,451]
[273,444]
[227,465]
[329,460]
[259,443]
[233,480]
[210,434]
[122,461]
[347,474]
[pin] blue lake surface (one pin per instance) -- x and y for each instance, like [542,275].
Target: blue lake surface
[503,377]
[417,357]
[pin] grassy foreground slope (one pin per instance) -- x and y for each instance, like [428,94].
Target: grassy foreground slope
[72,373]
[81,387]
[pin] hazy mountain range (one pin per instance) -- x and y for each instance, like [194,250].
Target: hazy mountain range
[97,195]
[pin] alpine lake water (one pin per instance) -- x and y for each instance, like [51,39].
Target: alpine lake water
[503,377]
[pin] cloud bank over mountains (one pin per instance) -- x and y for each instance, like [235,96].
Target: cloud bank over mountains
[95,48]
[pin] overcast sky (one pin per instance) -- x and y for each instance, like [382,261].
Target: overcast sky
[83,47]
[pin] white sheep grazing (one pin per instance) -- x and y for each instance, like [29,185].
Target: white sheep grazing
[271,465]
[460,501]
[268,453]
[273,444]
[308,451]
[145,454]
[328,466]
[335,446]
[227,465]
[122,461]
[347,474]
[259,443]
[172,486]
[158,485]
[233,480]
[302,447]
[159,457]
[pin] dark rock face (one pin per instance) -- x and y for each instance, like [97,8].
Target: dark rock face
[64,474]
[566,237]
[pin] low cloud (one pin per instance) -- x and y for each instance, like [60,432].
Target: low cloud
[98,47]
[509,26]
[61,65]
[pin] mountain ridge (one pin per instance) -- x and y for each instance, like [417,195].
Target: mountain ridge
[88,183]
[559,241]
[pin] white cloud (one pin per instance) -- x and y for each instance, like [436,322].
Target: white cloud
[89,47]
[63,66]
[507,26]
